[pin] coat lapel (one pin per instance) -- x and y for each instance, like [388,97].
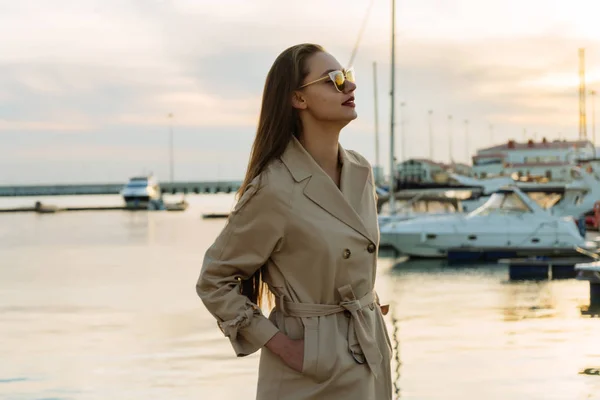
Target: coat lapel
[343,205]
[354,179]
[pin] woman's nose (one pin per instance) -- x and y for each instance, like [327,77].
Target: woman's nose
[349,87]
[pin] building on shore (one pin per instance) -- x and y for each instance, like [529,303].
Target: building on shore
[461,169]
[421,170]
[551,160]
[544,160]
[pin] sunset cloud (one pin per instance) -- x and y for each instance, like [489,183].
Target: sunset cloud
[108,72]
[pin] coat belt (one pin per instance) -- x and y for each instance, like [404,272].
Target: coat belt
[361,345]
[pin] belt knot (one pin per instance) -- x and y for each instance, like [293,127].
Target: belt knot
[351,305]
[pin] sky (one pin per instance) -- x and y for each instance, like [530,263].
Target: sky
[86,86]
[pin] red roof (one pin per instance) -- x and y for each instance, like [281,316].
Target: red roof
[512,145]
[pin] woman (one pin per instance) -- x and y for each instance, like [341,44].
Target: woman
[306,225]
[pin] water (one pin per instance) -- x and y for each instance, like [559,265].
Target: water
[98,305]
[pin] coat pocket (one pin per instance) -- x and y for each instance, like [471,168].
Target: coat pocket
[311,346]
[319,356]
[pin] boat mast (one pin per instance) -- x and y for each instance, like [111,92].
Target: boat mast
[170,116]
[392,94]
[377,165]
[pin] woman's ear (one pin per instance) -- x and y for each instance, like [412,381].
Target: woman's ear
[298,100]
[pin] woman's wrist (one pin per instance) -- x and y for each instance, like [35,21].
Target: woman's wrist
[277,343]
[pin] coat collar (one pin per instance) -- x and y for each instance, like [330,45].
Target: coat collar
[344,205]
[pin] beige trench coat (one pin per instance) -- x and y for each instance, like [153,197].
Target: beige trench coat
[319,244]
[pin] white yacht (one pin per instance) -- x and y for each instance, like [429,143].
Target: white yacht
[464,195]
[481,189]
[574,198]
[418,203]
[509,219]
[140,190]
[579,195]
[569,199]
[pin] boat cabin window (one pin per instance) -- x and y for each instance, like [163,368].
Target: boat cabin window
[576,199]
[503,203]
[138,182]
[546,200]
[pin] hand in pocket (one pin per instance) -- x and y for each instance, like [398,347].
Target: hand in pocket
[294,355]
[289,350]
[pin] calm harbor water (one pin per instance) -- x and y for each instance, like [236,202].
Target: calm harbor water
[101,305]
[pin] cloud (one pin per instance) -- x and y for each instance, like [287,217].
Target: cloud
[96,153]
[18,126]
[109,71]
[198,109]
[471,81]
[113,154]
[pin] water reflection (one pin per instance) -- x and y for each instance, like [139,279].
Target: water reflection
[406,264]
[517,300]
[524,300]
[396,361]
[98,305]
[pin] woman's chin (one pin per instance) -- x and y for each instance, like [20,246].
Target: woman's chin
[349,115]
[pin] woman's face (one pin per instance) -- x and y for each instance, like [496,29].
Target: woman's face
[321,99]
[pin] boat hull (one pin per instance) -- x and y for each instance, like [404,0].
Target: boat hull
[433,238]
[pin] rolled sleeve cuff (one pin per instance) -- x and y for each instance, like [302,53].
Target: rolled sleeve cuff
[254,336]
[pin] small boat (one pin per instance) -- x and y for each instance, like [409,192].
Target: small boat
[179,206]
[140,190]
[215,215]
[44,208]
[508,220]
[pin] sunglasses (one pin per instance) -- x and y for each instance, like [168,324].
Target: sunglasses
[338,78]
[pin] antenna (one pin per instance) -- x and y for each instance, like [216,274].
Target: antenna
[392,94]
[582,93]
[171,146]
[593,94]
[467,140]
[450,144]
[430,113]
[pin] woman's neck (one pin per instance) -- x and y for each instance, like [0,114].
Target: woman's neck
[321,142]
[322,145]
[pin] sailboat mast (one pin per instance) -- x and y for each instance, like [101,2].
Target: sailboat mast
[376,122]
[392,122]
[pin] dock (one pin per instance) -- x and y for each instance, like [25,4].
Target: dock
[208,187]
[590,272]
[50,209]
[543,268]
[493,254]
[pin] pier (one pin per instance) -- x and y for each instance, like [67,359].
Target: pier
[114,188]
[543,268]
[590,272]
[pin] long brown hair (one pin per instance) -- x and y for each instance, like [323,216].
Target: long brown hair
[277,122]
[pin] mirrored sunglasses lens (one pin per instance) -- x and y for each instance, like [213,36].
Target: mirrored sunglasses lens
[339,80]
[350,76]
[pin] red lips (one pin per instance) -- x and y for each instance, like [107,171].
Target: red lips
[349,102]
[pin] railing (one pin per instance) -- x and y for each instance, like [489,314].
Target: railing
[111,188]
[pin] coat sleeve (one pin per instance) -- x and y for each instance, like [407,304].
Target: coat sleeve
[253,232]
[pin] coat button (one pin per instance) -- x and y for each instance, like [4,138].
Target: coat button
[371,248]
[347,253]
